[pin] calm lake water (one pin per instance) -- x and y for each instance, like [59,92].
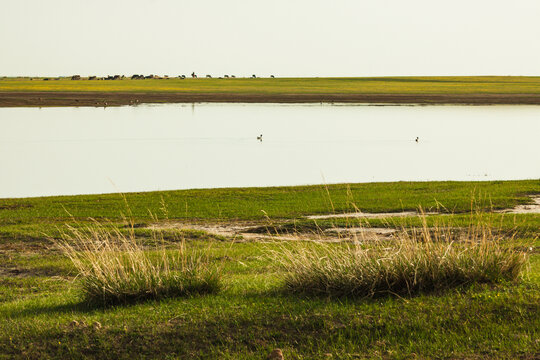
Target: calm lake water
[60,151]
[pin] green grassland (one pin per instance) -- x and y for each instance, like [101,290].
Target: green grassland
[277,202]
[382,85]
[42,314]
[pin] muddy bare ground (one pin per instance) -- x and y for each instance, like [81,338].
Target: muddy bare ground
[363,215]
[270,232]
[533,208]
[100,99]
[263,232]
[252,231]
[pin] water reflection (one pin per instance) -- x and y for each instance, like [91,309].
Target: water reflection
[53,151]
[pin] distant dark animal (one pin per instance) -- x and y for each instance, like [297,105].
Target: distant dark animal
[76,77]
[91,78]
[259,137]
[182,76]
[193,75]
[253,76]
[149,77]
[209,76]
[137,77]
[233,76]
[116,77]
[226,76]
[272,76]
[417,139]
[46,79]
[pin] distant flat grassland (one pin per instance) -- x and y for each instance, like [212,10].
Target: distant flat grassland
[366,85]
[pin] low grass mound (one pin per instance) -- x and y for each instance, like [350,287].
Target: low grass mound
[117,268]
[418,261]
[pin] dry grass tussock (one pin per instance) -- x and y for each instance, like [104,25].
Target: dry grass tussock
[419,260]
[115,267]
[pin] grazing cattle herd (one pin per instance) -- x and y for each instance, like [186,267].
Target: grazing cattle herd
[151,76]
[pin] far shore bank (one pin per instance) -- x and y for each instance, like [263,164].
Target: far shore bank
[102,99]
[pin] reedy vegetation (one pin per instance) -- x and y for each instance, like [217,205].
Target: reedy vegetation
[420,260]
[114,267]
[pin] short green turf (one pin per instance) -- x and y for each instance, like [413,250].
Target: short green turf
[276,202]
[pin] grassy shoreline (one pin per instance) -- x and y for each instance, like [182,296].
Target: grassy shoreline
[257,203]
[43,313]
[405,90]
[284,209]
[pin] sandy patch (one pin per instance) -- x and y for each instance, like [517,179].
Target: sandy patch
[244,232]
[228,230]
[533,208]
[363,215]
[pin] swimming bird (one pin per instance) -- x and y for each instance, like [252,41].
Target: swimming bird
[416,139]
[259,137]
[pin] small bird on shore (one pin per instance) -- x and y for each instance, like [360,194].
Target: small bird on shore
[259,137]
[417,139]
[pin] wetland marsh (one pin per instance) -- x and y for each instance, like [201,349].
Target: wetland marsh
[231,265]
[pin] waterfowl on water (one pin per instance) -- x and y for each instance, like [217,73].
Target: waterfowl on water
[417,139]
[259,137]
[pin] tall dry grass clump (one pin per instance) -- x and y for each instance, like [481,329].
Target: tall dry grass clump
[416,261]
[114,267]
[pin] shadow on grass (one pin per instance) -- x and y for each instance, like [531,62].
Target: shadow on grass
[53,309]
[253,323]
[278,295]
[82,306]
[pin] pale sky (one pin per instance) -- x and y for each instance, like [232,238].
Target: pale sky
[281,37]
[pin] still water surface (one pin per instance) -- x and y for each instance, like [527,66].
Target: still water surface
[60,151]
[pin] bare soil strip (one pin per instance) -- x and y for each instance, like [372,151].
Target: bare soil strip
[363,215]
[243,231]
[100,99]
[533,208]
[235,231]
